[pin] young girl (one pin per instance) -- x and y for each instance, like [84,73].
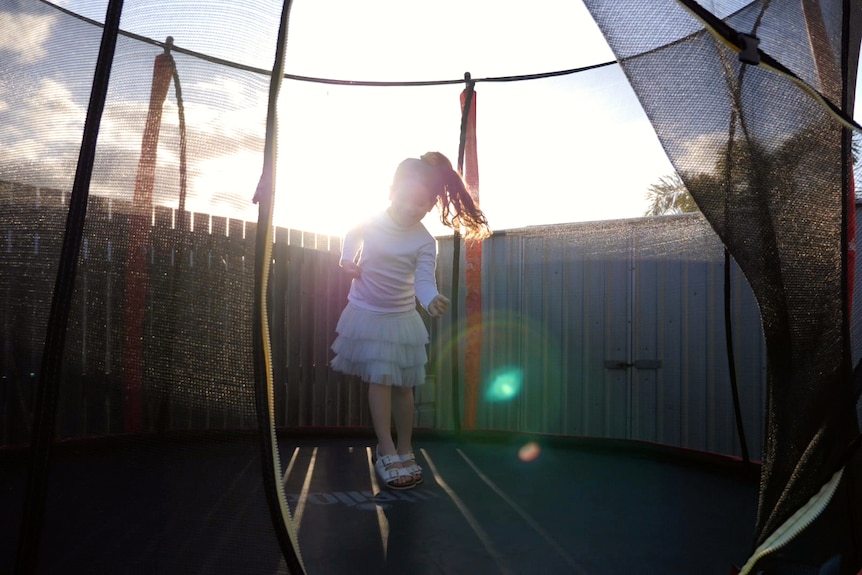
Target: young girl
[380,336]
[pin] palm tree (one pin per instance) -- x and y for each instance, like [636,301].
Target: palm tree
[669,196]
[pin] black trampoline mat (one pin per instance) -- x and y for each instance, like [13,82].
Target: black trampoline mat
[139,506]
[481,509]
[199,507]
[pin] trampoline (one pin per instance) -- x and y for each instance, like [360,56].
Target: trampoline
[579,507]
[671,394]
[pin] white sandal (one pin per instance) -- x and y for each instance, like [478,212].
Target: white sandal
[412,468]
[390,475]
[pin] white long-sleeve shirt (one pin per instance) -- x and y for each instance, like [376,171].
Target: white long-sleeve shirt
[397,265]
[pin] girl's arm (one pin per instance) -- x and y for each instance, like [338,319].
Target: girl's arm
[349,250]
[352,268]
[424,281]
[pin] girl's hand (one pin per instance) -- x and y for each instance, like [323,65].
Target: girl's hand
[438,305]
[351,267]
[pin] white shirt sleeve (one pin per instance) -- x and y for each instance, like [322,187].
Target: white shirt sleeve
[425,281]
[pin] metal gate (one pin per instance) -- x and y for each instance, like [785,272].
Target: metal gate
[610,329]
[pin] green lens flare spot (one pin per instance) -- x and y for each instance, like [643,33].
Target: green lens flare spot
[505,385]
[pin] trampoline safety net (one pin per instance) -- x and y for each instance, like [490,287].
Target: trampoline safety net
[127,292]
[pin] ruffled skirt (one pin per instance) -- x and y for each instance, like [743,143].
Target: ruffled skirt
[384,348]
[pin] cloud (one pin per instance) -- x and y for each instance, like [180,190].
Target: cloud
[41,133]
[32,33]
[43,120]
[46,112]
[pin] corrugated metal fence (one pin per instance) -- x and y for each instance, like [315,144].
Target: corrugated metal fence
[606,329]
[614,329]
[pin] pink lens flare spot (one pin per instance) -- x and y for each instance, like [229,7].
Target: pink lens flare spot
[529,452]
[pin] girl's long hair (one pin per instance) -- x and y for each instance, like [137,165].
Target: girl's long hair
[457,208]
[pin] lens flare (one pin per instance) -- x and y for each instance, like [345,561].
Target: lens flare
[529,451]
[505,384]
[516,352]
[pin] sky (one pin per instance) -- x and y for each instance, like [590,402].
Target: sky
[566,149]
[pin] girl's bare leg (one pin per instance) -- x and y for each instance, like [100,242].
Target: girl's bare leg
[402,413]
[380,404]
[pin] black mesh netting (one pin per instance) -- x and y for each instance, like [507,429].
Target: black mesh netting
[135,364]
[767,167]
[156,462]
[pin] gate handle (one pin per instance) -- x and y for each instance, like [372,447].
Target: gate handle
[638,364]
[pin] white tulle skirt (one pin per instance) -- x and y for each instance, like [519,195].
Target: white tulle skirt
[385,348]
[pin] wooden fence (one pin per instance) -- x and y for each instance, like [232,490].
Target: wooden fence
[197,369]
[603,329]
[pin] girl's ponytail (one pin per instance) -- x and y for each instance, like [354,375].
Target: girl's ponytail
[457,208]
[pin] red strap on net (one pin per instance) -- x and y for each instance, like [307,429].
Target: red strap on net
[472,274]
[137,269]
